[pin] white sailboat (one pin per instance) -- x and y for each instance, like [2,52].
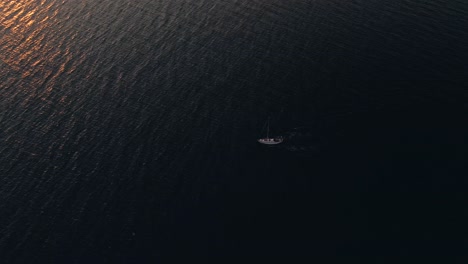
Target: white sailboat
[270,140]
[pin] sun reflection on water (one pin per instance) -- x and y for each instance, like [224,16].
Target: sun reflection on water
[30,45]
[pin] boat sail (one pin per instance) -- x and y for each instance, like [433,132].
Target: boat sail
[270,140]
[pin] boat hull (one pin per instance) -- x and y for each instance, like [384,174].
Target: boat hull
[270,141]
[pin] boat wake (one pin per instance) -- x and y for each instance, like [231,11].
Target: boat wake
[306,140]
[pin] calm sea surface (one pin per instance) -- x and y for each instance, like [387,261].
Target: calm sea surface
[128,128]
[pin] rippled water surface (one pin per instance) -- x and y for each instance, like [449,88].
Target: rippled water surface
[128,127]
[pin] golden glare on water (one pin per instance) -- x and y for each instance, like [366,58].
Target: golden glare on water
[30,42]
[23,40]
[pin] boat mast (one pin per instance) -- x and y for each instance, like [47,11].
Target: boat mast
[268,128]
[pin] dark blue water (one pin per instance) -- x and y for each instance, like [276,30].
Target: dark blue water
[128,128]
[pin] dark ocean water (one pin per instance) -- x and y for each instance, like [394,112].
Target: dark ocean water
[128,128]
